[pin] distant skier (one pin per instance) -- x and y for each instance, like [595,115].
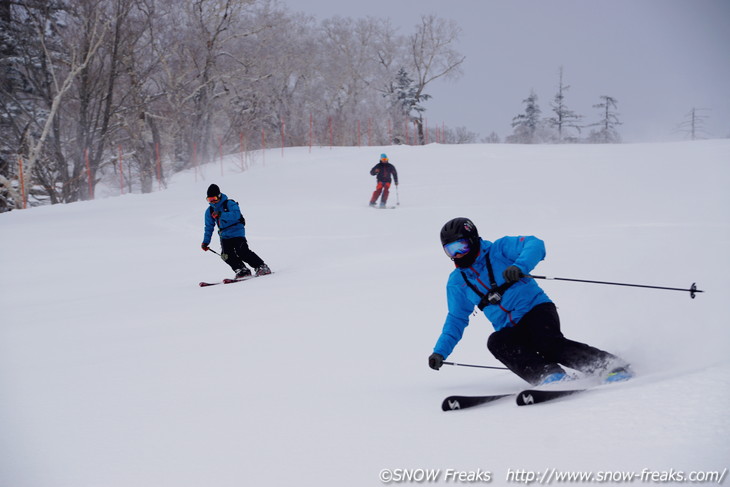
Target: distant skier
[383,171]
[226,214]
[527,337]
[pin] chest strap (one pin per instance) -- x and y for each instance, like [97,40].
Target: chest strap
[494,293]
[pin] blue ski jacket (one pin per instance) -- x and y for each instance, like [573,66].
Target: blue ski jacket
[517,300]
[227,217]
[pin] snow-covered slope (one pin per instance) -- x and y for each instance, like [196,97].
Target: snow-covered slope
[116,369]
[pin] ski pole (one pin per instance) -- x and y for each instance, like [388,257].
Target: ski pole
[692,290]
[476,366]
[216,253]
[397,196]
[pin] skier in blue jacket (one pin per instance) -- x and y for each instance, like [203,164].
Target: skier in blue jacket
[226,214]
[527,337]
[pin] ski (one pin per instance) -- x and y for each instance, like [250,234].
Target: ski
[224,281]
[206,284]
[384,207]
[453,403]
[229,281]
[528,397]
[537,396]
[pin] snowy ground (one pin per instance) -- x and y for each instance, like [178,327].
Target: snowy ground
[117,370]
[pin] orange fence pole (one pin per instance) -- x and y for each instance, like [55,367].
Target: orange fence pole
[159,166]
[88,174]
[23,196]
[121,171]
[283,134]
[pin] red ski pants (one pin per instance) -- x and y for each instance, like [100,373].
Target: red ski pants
[381,187]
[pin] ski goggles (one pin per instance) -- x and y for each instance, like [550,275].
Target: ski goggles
[457,248]
[213,199]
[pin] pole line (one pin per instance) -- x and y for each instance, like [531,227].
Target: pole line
[692,290]
[475,366]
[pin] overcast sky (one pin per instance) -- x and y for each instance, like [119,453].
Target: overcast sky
[658,58]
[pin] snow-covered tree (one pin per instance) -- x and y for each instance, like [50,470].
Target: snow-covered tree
[693,125]
[606,132]
[527,124]
[406,98]
[563,118]
[164,80]
[432,55]
[492,138]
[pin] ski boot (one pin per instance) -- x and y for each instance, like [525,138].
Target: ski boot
[619,374]
[552,378]
[243,272]
[262,270]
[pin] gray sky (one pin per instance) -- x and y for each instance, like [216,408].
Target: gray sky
[658,58]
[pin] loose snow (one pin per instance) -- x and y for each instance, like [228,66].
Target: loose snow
[117,370]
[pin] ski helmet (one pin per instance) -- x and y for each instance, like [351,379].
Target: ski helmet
[458,228]
[462,229]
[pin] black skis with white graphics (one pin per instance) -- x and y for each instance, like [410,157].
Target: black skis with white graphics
[523,398]
[537,396]
[528,397]
[453,403]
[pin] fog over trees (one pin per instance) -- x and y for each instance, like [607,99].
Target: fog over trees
[157,86]
[131,91]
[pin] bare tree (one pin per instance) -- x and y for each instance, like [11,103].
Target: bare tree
[432,55]
[164,79]
[693,125]
[62,74]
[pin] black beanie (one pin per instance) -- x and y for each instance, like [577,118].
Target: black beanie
[213,190]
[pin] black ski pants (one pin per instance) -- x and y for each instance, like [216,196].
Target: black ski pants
[535,347]
[235,252]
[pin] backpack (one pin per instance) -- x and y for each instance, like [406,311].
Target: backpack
[241,219]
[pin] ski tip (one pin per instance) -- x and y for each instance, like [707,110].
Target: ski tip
[450,404]
[536,396]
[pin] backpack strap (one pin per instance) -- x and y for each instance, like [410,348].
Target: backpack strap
[241,219]
[494,293]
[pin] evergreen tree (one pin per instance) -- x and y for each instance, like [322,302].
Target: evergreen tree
[526,124]
[405,97]
[609,121]
[564,118]
[406,94]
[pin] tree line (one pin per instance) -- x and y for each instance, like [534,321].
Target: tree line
[82,80]
[564,125]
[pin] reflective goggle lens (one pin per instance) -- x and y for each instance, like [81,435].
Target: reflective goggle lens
[213,199]
[457,248]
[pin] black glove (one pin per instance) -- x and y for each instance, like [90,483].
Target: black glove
[204,246]
[435,361]
[512,274]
